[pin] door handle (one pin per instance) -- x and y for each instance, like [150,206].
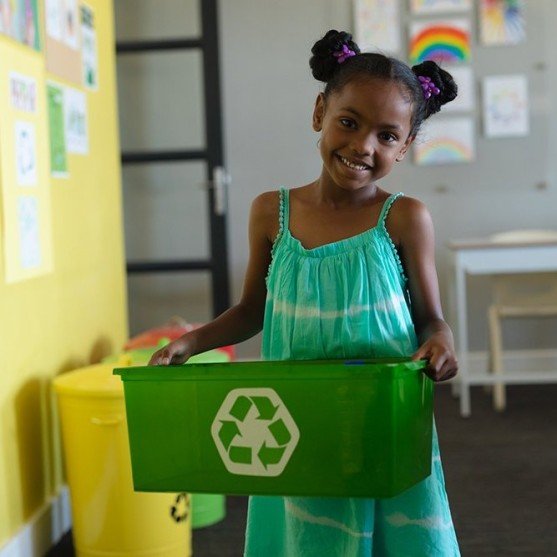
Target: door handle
[221,181]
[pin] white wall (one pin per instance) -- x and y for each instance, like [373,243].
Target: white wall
[268,99]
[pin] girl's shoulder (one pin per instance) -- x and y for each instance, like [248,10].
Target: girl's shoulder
[266,204]
[265,209]
[408,216]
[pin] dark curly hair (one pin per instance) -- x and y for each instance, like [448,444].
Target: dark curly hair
[325,67]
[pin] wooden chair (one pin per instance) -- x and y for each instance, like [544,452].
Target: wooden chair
[531,295]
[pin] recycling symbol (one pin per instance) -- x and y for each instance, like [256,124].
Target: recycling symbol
[254,433]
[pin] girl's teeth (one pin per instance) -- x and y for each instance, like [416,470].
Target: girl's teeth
[352,165]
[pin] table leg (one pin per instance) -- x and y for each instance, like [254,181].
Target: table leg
[462,338]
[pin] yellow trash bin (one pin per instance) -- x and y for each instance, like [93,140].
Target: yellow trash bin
[109,518]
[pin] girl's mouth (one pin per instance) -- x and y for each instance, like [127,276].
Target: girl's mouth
[353,165]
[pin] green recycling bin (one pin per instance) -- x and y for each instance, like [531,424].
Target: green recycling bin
[310,428]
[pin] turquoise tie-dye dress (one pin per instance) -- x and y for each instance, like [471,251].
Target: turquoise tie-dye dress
[346,299]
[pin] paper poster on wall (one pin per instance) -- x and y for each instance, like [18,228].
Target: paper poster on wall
[29,232]
[19,19]
[505,106]
[23,92]
[89,49]
[439,6]
[24,175]
[443,41]
[70,23]
[377,25]
[25,154]
[63,32]
[58,158]
[445,141]
[54,19]
[465,100]
[75,117]
[502,22]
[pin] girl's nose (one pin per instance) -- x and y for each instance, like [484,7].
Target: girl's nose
[363,145]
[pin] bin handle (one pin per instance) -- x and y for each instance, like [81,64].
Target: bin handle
[107,420]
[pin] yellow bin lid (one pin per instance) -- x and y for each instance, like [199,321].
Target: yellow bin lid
[92,381]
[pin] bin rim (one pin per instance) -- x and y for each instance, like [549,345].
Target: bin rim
[83,383]
[318,369]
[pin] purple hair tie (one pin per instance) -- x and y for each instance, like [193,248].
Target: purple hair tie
[342,55]
[429,88]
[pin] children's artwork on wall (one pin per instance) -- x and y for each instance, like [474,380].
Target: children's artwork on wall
[502,22]
[443,41]
[58,158]
[62,21]
[19,19]
[54,19]
[63,33]
[75,118]
[445,141]
[465,100]
[70,23]
[89,49]
[25,154]
[23,92]
[505,106]
[377,25]
[439,6]
[29,232]
[24,179]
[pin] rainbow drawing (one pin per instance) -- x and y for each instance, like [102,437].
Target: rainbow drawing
[444,42]
[446,142]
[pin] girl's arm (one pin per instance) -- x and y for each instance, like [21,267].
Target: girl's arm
[413,233]
[245,319]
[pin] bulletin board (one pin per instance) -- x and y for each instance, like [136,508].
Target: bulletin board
[44,122]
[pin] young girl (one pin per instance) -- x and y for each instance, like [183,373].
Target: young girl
[339,268]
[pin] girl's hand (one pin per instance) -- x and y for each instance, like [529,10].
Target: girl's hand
[175,353]
[439,352]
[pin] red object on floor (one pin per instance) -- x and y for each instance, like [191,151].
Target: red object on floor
[151,337]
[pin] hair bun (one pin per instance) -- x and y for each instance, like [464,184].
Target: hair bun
[442,79]
[322,63]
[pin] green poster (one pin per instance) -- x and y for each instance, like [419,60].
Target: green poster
[58,160]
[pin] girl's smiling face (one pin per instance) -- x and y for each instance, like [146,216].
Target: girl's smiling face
[365,128]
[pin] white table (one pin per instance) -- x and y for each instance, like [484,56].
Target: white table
[488,257]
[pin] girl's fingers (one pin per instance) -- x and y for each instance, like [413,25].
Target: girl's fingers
[422,353]
[442,366]
[160,358]
[447,369]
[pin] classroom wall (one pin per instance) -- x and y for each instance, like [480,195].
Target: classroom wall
[67,318]
[268,99]
[268,96]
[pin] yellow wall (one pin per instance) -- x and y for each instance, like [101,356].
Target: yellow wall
[68,318]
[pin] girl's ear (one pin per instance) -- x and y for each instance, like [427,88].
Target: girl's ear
[318,112]
[405,147]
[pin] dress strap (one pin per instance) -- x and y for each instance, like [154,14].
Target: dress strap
[283,210]
[387,207]
[381,224]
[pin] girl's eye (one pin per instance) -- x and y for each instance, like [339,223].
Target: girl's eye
[388,136]
[348,123]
